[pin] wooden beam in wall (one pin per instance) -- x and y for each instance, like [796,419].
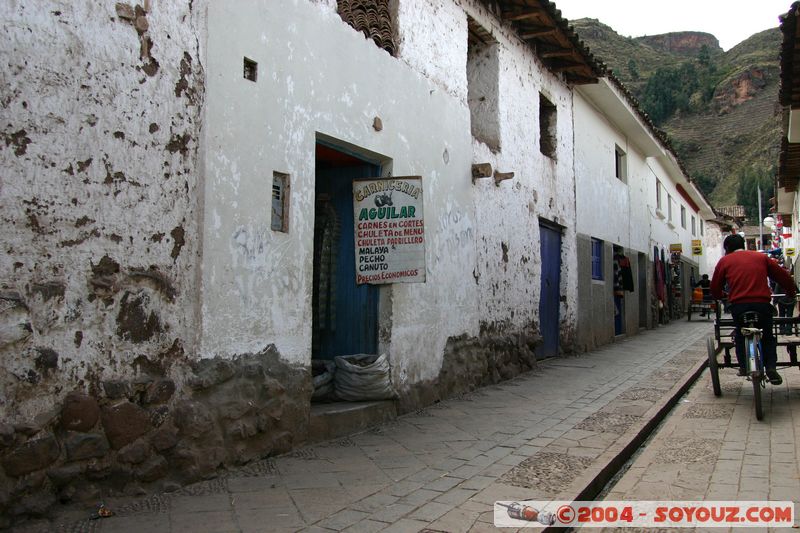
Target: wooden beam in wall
[562,52]
[528,13]
[538,32]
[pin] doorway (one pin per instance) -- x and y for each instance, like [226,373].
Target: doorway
[643,292]
[550,295]
[345,315]
[619,291]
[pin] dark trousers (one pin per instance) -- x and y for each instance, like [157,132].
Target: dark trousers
[768,342]
[786,310]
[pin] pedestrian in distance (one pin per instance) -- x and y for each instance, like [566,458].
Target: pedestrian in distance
[747,274]
[705,285]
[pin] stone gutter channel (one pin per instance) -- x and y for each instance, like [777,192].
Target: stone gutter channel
[600,476]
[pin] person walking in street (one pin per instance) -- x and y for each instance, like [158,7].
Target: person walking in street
[747,274]
[705,285]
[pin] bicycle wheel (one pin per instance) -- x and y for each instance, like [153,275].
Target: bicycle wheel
[756,376]
[713,366]
[757,397]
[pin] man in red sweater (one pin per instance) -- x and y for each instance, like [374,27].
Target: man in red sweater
[746,274]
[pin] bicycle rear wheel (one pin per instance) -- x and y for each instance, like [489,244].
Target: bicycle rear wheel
[756,375]
[713,366]
[756,379]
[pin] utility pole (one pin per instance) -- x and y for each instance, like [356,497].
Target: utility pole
[760,222]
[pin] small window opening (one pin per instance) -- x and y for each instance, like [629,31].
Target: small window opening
[547,127]
[658,194]
[683,217]
[669,208]
[250,69]
[620,164]
[597,259]
[280,202]
[483,86]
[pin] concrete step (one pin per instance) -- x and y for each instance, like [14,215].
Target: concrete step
[333,420]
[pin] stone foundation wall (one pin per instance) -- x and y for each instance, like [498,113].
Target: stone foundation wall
[472,362]
[138,436]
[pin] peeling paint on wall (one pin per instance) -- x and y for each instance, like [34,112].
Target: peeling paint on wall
[101,107]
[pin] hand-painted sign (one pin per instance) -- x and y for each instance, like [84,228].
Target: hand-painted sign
[389,230]
[676,247]
[697,247]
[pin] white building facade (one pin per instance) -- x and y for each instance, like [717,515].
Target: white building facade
[180,234]
[634,205]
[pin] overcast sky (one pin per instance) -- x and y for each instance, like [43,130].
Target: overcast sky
[730,21]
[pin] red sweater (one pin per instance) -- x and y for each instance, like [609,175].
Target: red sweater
[746,274]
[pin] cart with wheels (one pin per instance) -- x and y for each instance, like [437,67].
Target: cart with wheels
[720,346]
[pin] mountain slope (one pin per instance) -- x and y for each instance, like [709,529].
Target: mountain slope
[719,108]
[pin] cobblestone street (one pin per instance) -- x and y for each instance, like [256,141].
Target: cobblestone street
[713,448]
[544,435]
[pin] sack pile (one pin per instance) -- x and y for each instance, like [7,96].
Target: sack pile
[354,378]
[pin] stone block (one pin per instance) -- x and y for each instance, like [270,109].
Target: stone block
[31,456]
[158,415]
[153,469]
[164,438]
[135,452]
[36,504]
[63,475]
[6,435]
[192,419]
[234,409]
[79,412]
[124,422]
[211,372]
[160,391]
[195,463]
[116,390]
[85,445]
[242,429]
[30,482]
[281,442]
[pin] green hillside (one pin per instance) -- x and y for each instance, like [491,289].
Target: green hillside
[719,108]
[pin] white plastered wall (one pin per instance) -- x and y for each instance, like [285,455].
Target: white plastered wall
[666,231]
[107,112]
[318,75]
[609,209]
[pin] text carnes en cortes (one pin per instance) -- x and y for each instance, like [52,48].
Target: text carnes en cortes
[385,233]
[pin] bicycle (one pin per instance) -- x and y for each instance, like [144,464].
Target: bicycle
[753,357]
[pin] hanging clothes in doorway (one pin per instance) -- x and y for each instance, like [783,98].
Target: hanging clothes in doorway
[327,230]
[660,284]
[623,275]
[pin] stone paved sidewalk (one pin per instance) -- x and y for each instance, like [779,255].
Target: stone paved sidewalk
[539,436]
[713,448]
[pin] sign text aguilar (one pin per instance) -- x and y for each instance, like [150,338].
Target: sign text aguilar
[389,230]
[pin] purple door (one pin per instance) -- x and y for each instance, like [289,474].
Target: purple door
[550,300]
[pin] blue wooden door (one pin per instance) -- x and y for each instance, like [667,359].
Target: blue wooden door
[345,314]
[550,299]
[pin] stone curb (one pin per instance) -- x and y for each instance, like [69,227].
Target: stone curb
[600,472]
